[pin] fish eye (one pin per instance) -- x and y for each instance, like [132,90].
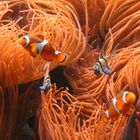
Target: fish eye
[37,51]
[96,69]
[19,36]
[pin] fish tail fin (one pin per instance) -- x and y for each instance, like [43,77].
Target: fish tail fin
[105,116]
[60,57]
[107,70]
[45,88]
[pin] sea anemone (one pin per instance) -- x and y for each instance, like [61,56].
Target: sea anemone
[81,29]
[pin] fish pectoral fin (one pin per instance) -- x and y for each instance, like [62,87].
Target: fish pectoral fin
[33,47]
[53,47]
[45,87]
[128,112]
[60,57]
[107,70]
[32,54]
[42,87]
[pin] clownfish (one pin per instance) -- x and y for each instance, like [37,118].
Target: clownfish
[46,83]
[101,66]
[40,46]
[121,104]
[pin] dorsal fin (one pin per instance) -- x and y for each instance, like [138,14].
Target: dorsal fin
[36,38]
[40,36]
[109,56]
[108,103]
[100,55]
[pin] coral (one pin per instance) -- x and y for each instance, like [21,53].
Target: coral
[63,117]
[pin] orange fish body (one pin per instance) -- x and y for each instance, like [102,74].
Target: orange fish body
[121,104]
[37,45]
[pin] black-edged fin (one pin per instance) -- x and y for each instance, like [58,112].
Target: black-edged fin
[36,38]
[59,56]
[45,88]
[64,58]
[41,37]
[100,55]
[109,56]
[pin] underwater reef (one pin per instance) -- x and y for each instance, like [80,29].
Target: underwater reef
[72,109]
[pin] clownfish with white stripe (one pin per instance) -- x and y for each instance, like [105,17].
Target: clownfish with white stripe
[121,104]
[37,45]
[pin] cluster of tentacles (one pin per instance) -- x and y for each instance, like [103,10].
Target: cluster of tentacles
[81,29]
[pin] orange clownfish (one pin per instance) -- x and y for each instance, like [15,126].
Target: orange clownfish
[121,104]
[40,46]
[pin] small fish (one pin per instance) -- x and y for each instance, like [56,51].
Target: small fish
[46,83]
[121,104]
[42,47]
[101,66]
